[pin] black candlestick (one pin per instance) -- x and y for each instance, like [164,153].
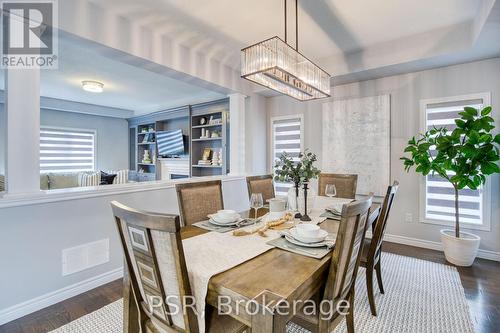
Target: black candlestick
[305,217]
[297,215]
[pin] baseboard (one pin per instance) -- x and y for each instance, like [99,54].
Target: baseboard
[40,302]
[483,254]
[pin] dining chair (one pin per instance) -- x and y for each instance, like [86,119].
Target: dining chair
[344,183]
[197,200]
[261,184]
[372,248]
[157,269]
[343,270]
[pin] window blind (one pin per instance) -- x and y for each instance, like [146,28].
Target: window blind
[440,195]
[66,150]
[286,134]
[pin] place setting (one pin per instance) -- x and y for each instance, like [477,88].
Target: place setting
[306,239]
[225,220]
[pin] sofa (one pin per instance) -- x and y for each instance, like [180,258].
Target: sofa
[52,180]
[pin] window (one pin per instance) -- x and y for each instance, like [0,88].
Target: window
[438,202]
[287,136]
[66,150]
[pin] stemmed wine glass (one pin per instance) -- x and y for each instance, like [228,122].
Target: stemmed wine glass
[256,202]
[330,190]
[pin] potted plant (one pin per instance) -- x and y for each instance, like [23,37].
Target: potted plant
[286,170]
[464,157]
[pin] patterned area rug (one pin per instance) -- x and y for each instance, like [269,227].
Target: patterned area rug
[421,296]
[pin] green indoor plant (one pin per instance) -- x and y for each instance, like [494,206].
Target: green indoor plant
[286,170]
[464,157]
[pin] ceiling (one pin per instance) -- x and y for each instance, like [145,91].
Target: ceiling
[326,27]
[126,87]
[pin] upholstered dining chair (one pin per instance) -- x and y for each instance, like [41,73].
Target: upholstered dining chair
[197,200]
[372,248]
[344,183]
[261,184]
[343,270]
[155,261]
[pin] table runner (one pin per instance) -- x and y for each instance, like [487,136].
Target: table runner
[213,253]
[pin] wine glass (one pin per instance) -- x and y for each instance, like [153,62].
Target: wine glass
[256,202]
[330,190]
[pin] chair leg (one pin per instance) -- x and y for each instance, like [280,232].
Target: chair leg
[369,287]
[378,270]
[350,315]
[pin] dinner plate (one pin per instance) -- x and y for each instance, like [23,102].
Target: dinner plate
[292,240]
[226,220]
[322,234]
[212,221]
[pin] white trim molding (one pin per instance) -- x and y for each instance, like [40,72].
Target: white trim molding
[22,309]
[426,244]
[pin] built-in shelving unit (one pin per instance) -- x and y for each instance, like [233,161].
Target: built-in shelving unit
[209,131]
[194,120]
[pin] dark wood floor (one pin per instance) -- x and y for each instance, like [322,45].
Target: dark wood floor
[481,283]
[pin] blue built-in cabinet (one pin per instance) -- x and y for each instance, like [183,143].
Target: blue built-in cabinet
[210,118]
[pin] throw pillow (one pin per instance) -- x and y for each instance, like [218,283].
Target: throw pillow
[107,178]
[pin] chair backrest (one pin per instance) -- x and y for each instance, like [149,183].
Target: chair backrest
[347,252]
[156,265]
[261,184]
[344,183]
[197,200]
[379,229]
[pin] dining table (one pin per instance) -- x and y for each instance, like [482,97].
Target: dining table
[265,280]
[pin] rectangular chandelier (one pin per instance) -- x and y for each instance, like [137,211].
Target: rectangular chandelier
[274,64]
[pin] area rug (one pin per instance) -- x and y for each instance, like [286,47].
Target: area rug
[421,296]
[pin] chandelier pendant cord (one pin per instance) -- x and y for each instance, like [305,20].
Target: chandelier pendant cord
[296,25]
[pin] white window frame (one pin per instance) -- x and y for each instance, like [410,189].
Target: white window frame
[57,128]
[486,190]
[271,134]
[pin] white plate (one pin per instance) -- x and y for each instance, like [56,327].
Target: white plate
[230,224]
[322,234]
[226,220]
[292,240]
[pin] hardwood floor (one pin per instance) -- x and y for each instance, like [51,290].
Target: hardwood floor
[481,283]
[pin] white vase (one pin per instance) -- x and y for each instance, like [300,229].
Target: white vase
[460,251]
[292,199]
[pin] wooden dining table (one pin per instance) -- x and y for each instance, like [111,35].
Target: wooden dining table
[273,276]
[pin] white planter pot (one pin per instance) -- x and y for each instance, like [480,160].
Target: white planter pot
[460,251]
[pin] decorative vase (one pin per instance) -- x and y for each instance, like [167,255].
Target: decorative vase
[460,251]
[293,197]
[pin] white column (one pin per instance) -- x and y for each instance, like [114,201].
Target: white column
[237,133]
[22,106]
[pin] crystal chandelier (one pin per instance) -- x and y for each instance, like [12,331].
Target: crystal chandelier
[276,65]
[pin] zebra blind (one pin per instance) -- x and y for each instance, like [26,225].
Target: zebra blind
[440,195]
[66,150]
[286,135]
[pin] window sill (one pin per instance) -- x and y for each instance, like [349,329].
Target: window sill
[463,225]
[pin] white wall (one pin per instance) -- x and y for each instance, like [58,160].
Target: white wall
[256,135]
[406,91]
[33,236]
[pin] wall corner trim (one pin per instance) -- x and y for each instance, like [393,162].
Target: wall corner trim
[22,309]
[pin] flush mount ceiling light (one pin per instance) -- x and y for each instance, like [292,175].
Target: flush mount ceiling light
[93,86]
[276,65]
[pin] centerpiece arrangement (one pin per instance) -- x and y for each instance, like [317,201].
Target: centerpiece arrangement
[288,170]
[463,157]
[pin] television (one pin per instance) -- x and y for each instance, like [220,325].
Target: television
[170,143]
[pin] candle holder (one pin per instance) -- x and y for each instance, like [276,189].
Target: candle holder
[297,215]
[305,217]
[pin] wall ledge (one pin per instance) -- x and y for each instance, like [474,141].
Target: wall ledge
[27,199]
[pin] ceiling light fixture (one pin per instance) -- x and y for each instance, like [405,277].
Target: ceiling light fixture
[274,64]
[93,86]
